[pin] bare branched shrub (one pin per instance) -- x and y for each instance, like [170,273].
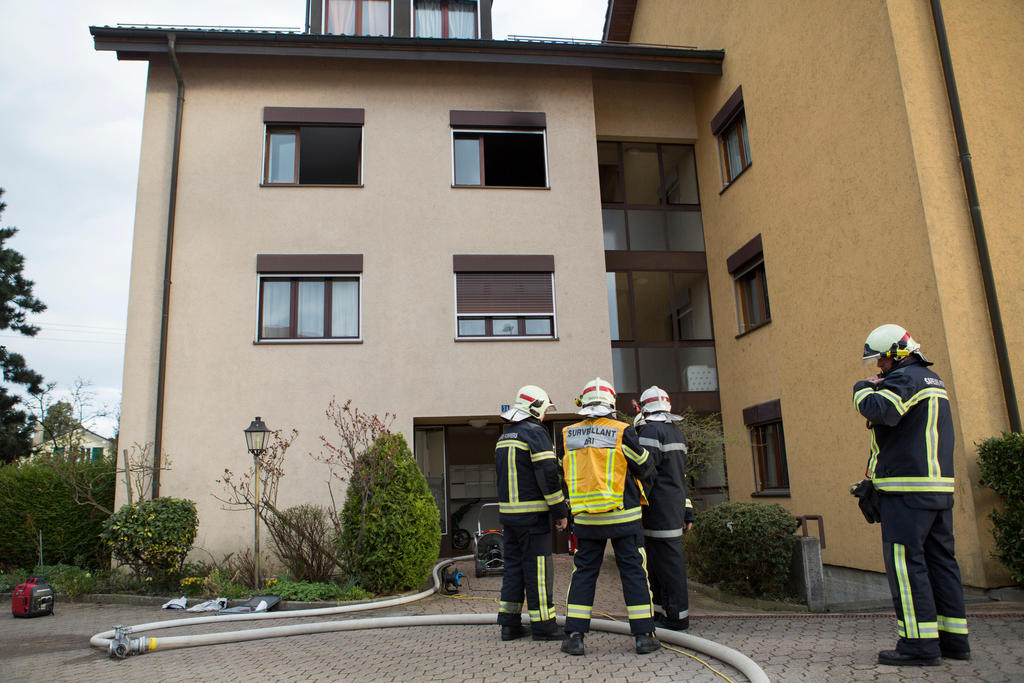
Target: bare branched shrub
[137,468]
[357,432]
[300,533]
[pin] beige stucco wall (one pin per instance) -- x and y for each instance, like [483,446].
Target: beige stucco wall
[855,190]
[407,221]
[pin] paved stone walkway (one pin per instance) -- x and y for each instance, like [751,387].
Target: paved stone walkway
[788,646]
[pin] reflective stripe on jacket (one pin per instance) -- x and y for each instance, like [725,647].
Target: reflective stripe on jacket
[911,430]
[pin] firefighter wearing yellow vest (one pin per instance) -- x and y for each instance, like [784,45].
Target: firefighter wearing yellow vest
[529,498]
[602,462]
[911,466]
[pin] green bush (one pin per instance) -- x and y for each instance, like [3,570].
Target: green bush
[390,533]
[153,537]
[743,548]
[36,499]
[1001,465]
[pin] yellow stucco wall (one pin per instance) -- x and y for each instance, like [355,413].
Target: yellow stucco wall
[855,189]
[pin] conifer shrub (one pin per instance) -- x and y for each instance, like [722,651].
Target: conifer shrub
[390,535]
[1001,465]
[153,537]
[743,548]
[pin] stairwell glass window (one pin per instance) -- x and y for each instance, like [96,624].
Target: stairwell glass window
[445,18]
[504,297]
[358,17]
[499,149]
[309,297]
[313,146]
[729,125]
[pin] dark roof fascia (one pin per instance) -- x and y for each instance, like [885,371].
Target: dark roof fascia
[135,43]
[618,20]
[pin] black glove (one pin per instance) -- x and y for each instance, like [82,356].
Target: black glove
[867,499]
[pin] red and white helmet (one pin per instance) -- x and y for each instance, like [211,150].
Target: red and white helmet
[655,400]
[597,392]
[889,341]
[533,400]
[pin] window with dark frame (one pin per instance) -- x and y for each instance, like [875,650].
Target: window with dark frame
[310,146]
[309,297]
[496,298]
[768,448]
[499,149]
[445,18]
[729,125]
[747,269]
[358,17]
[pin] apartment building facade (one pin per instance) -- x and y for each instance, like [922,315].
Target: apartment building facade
[392,208]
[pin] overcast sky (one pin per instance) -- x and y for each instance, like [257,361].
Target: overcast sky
[70,126]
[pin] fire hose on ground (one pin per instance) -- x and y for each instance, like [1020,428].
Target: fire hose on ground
[119,642]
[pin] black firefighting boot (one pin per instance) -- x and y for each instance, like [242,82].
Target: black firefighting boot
[646,642]
[573,643]
[514,631]
[897,658]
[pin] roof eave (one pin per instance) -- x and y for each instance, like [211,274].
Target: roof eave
[134,44]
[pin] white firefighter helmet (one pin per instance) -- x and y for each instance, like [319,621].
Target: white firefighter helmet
[655,400]
[889,341]
[597,398]
[530,400]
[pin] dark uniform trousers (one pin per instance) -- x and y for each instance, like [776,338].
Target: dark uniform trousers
[924,578]
[632,562]
[668,575]
[529,570]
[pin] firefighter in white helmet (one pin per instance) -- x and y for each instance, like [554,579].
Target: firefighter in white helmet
[604,464]
[911,466]
[529,498]
[670,512]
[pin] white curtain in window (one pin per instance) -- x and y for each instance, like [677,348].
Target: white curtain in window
[462,18]
[428,18]
[341,17]
[311,308]
[282,158]
[276,302]
[376,17]
[345,308]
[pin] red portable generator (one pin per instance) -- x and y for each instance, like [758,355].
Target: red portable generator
[34,598]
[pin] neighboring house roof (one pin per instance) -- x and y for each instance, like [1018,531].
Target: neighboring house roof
[89,438]
[144,43]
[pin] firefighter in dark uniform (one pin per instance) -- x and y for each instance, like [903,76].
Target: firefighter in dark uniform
[602,460]
[529,497]
[911,467]
[670,512]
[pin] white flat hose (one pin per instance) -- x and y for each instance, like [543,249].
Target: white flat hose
[733,658]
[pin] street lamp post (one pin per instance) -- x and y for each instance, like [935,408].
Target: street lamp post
[256,442]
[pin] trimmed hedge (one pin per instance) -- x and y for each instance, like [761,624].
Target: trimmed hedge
[36,499]
[1001,464]
[390,536]
[743,548]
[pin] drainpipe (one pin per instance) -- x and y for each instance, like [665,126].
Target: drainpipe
[1009,394]
[168,250]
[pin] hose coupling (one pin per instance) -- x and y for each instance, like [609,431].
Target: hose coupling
[122,645]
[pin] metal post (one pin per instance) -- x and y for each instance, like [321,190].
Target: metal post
[256,521]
